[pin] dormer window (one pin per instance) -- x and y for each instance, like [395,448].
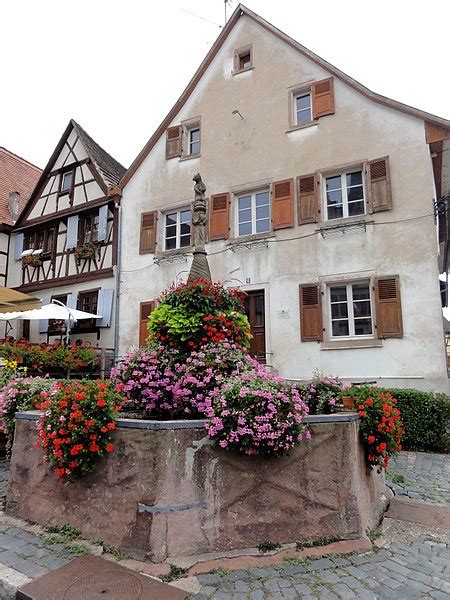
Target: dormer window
[66,182]
[243,59]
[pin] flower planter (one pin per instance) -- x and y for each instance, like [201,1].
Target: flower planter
[31,261]
[349,402]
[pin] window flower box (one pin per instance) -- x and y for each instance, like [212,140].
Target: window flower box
[32,260]
[87,251]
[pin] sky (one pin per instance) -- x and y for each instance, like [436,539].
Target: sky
[118,67]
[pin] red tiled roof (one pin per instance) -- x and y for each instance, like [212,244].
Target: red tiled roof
[16,175]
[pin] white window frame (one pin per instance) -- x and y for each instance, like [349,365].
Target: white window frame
[189,132]
[252,194]
[344,195]
[350,314]
[63,189]
[178,212]
[298,94]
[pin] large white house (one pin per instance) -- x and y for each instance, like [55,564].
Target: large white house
[64,244]
[322,207]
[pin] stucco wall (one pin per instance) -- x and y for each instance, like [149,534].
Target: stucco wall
[238,154]
[166,491]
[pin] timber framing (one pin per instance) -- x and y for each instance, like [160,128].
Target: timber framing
[241,11]
[63,281]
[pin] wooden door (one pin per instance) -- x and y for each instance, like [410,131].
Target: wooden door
[255,311]
[145,310]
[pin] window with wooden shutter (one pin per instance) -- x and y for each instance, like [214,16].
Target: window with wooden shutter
[283,204]
[307,199]
[219,217]
[311,328]
[147,240]
[144,312]
[173,141]
[323,98]
[388,307]
[379,184]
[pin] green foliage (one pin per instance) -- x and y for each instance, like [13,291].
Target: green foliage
[268,546]
[399,479]
[426,420]
[175,573]
[322,541]
[374,534]
[175,321]
[68,532]
[116,552]
[77,549]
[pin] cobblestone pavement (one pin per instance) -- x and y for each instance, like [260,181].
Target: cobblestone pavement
[419,568]
[29,553]
[421,476]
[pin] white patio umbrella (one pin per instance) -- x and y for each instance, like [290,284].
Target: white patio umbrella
[56,310]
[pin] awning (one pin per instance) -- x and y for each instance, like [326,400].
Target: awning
[13,301]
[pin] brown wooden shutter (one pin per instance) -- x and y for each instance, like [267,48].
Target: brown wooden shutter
[388,307]
[173,141]
[311,313]
[379,185]
[323,98]
[219,218]
[282,193]
[307,199]
[147,239]
[145,309]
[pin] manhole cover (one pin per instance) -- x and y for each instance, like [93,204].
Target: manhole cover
[108,585]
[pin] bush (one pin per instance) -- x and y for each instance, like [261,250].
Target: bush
[192,315]
[22,393]
[322,394]
[257,413]
[76,425]
[163,385]
[380,425]
[426,420]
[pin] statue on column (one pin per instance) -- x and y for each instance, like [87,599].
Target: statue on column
[200,266]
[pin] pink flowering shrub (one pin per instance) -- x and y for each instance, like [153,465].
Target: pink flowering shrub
[22,393]
[257,413]
[162,385]
[322,394]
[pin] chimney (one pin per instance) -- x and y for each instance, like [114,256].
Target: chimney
[13,205]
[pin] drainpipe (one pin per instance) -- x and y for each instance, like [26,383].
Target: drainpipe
[115,193]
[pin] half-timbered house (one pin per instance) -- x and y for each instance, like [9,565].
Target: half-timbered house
[322,206]
[65,241]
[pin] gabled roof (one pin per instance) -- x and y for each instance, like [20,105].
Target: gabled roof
[240,11]
[16,175]
[108,168]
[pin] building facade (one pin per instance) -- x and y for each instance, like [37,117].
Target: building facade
[321,208]
[64,243]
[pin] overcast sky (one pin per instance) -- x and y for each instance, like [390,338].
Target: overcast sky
[117,67]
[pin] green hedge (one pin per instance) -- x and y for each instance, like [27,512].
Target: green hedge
[426,419]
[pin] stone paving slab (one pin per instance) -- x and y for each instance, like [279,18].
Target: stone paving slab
[421,476]
[417,511]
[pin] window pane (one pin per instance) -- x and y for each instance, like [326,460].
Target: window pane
[245,61]
[185,240]
[334,197]
[171,231]
[335,212]
[171,219]
[185,216]
[361,308]
[355,208]
[171,243]
[245,228]
[303,101]
[340,328]
[263,225]
[339,311]
[363,326]
[262,212]
[245,202]
[333,183]
[361,291]
[303,116]
[66,182]
[185,229]
[354,178]
[245,216]
[195,135]
[338,294]
[355,193]
[262,198]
